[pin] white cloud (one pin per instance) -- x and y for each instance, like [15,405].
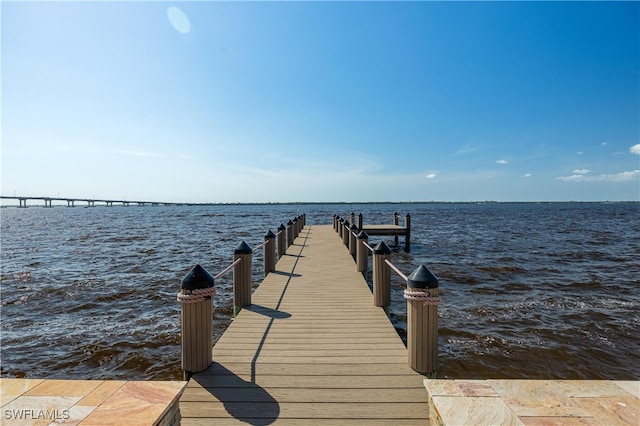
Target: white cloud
[573,178]
[526,175]
[616,177]
[501,161]
[580,153]
[431,175]
[635,149]
[621,177]
[581,172]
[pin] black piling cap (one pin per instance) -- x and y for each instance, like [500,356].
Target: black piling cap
[362,235]
[354,227]
[381,248]
[197,278]
[346,223]
[295,219]
[289,223]
[422,278]
[282,227]
[269,234]
[243,248]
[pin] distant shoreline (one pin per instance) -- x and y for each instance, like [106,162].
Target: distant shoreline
[297,203]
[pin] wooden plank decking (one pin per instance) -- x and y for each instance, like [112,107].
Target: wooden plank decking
[312,349]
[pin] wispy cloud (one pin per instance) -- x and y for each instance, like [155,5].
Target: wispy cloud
[635,149]
[502,161]
[581,171]
[616,177]
[432,175]
[526,175]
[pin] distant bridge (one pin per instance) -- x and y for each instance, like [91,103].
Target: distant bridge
[90,202]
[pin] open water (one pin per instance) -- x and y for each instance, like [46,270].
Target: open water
[529,290]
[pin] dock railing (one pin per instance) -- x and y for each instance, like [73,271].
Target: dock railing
[421,293]
[198,289]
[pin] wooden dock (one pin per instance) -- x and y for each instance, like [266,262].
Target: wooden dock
[393,229]
[311,349]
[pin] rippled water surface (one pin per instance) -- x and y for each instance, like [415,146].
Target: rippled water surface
[529,290]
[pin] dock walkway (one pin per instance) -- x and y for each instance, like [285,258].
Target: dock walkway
[311,349]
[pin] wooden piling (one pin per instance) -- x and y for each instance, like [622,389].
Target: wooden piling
[282,240]
[345,233]
[381,276]
[269,258]
[407,235]
[196,320]
[362,252]
[422,320]
[353,231]
[396,223]
[290,233]
[242,277]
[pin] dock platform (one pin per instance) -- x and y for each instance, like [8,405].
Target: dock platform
[89,402]
[311,349]
[534,402]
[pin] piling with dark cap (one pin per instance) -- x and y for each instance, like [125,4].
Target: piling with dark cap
[269,258]
[296,227]
[282,240]
[242,277]
[290,233]
[422,320]
[196,320]
[345,233]
[362,252]
[381,276]
[352,240]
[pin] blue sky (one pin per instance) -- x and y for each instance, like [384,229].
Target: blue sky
[323,101]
